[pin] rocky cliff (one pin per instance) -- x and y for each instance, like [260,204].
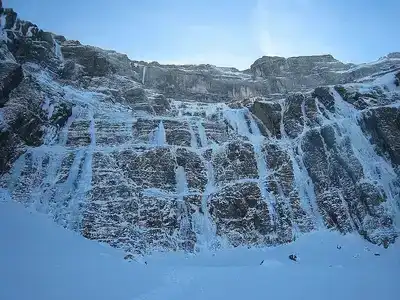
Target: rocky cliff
[148,157]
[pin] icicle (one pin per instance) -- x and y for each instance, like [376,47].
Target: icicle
[57,50]
[144,74]
[182,190]
[181,182]
[193,140]
[202,134]
[205,229]
[159,138]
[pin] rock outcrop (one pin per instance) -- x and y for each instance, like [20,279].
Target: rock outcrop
[149,157]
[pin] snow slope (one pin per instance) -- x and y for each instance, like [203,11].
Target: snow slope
[40,260]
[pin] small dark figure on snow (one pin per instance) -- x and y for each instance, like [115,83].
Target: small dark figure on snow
[339,247]
[386,243]
[261,262]
[293,257]
[128,257]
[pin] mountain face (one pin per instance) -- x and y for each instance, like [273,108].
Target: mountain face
[149,157]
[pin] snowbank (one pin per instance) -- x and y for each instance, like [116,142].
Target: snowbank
[40,260]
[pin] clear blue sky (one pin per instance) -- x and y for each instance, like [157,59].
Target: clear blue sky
[223,32]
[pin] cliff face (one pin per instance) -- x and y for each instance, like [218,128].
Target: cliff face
[146,156]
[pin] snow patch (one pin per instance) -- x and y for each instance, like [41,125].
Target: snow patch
[60,264]
[387,81]
[29,32]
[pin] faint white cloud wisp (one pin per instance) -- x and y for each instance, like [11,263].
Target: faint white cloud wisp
[286,28]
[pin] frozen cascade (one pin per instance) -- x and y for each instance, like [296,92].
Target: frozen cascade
[193,140]
[158,137]
[375,167]
[57,50]
[182,190]
[63,200]
[302,179]
[67,195]
[42,194]
[202,134]
[144,74]
[305,186]
[3,32]
[85,179]
[205,229]
[237,119]
[64,132]
[181,182]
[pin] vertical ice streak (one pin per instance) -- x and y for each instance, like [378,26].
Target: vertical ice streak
[193,140]
[3,32]
[182,190]
[237,119]
[63,136]
[257,141]
[205,229]
[375,168]
[66,206]
[304,185]
[16,172]
[144,74]
[202,134]
[57,50]
[302,179]
[181,182]
[157,137]
[84,180]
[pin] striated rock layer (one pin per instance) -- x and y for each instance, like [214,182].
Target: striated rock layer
[149,157]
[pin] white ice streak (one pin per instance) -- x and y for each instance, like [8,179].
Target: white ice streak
[387,81]
[182,190]
[202,134]
[158,136]
[57,50]
[193,139]
[237,119]
[76,110]
[144,74]
[375,168]
[206,237]
[181,182]
[3,31]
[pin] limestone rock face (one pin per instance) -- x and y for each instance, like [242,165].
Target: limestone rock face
[150,157]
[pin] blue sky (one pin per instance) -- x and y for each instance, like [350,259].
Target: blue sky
[223,32]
